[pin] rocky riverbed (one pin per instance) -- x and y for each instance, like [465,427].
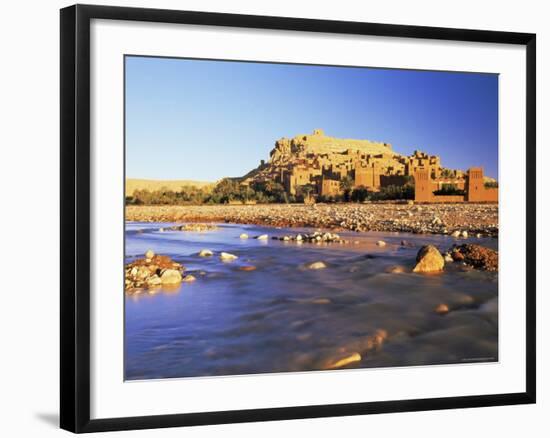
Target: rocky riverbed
[464,219]
[241,299]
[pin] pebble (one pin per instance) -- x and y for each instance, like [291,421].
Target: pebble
[196,227]
[154,280]
[396,269]
[262,237]
[316,237]
[317,265]
[225,256]
[205,253]
[149,254]
[391,217]
[381,243]
[243,236]
[476,256]
[151,272]
[441,309]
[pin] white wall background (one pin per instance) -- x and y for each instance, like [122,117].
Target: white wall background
[29,216]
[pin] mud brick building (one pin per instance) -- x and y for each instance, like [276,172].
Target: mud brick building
[321,163]
[472,183]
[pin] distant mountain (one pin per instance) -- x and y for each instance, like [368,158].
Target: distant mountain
[157,184]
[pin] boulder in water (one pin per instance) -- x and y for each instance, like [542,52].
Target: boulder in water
[171,276]
[441,309]
[225,256]
[428,260]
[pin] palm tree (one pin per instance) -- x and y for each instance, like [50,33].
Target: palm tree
[346,185]
[447,173]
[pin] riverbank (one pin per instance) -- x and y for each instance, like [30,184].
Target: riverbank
[473,219]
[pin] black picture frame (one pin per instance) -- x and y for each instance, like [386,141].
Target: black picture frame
[75,217]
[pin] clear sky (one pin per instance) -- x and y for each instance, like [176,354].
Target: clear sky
[204,120]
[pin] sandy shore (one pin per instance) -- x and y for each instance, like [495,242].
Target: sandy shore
[430,218]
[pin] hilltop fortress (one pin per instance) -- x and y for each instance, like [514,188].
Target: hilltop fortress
[319,164]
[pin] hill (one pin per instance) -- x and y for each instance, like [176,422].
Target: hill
[319,163]
[155,184]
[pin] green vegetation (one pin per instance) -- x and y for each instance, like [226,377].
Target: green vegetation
[393,192]
[229,191]
[225,192]
[362,194]
[359,194]
[165,196]
[449,190]
[447,173]
[346,186]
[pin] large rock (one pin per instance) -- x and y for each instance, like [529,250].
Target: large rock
[171,276]
[476,256]
[154,280]
[429,259]
[151,272]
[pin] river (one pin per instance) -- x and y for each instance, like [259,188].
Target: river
[283,317]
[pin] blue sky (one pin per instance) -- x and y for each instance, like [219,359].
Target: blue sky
[204,120]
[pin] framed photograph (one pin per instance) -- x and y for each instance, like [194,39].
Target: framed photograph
[269,218]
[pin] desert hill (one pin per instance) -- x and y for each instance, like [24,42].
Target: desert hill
[133,184]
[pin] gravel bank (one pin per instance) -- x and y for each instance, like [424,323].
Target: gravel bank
[429,218]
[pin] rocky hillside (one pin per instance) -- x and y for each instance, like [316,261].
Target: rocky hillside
[318,144]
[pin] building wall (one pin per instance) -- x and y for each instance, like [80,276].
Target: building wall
[330,187]
[363,177]
[392,180]
[474,185]
[423,186]
[476,190]
[368,176]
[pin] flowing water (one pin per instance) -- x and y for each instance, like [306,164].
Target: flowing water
[283,317]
